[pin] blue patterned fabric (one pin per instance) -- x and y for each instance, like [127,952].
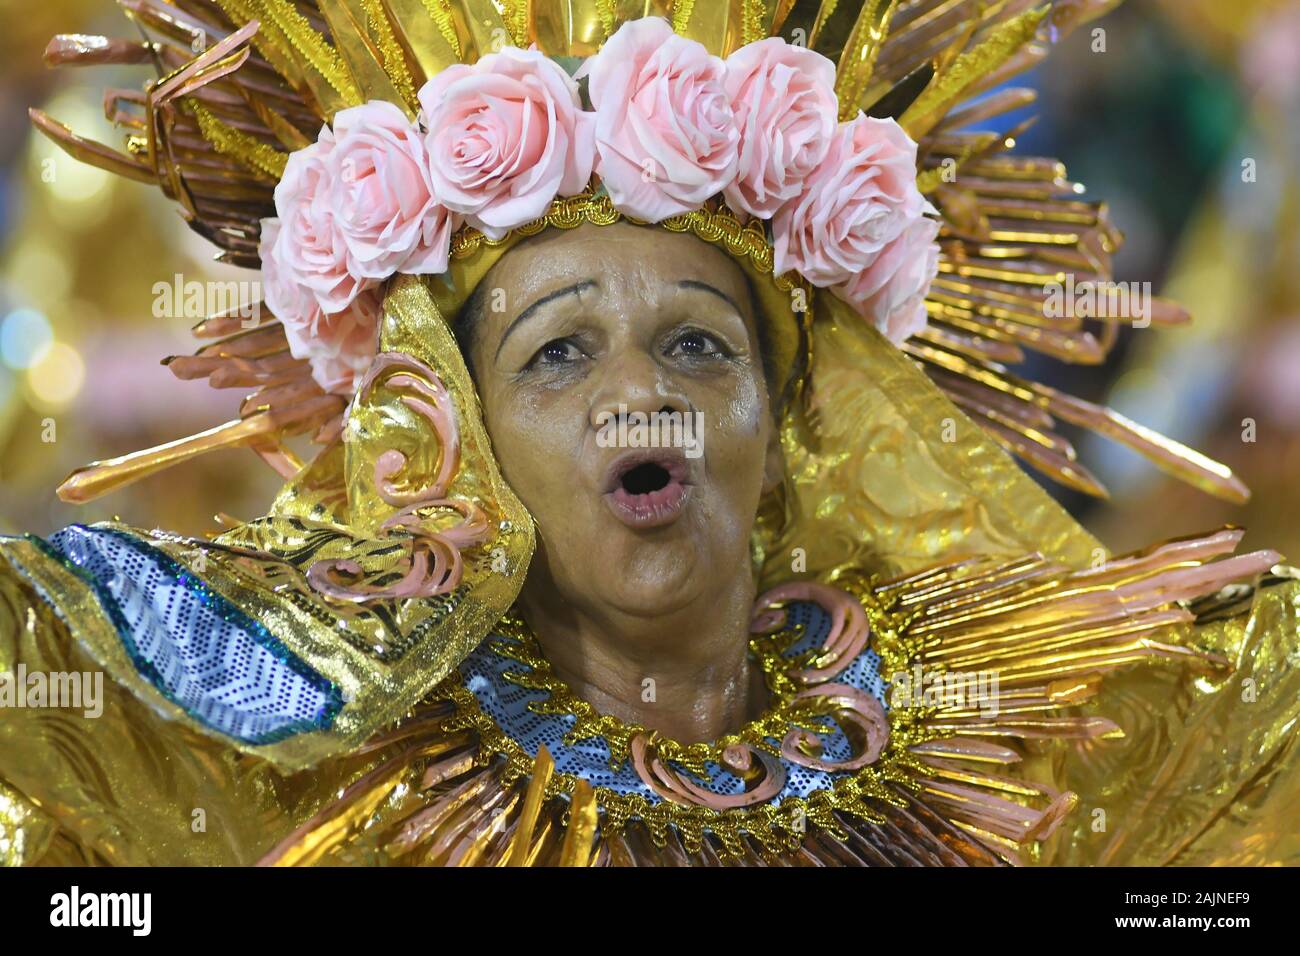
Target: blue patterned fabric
[200,651]
[485,673]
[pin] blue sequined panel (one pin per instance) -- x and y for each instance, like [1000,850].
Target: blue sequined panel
[201,652]
[485,673]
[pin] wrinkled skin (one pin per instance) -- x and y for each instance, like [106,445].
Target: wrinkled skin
[657,321]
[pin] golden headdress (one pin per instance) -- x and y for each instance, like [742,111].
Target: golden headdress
[389,556]
[215,129]
[887,471]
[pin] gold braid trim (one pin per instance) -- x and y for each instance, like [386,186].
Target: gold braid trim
[265,41]
[608,15]
[381,28]
[682,10]
[752,27]
[440,13]
[311,46]
[260,157]
[824,14]
[520,645]
[776,825]
[514,14]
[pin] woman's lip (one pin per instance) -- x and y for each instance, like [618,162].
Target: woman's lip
[651,510]
[670,460]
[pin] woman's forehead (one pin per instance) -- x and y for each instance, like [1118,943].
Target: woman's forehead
[592,253]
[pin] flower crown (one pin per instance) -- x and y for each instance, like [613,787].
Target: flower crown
[663,127]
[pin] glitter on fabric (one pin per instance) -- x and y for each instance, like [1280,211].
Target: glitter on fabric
[200,651]
[485,673]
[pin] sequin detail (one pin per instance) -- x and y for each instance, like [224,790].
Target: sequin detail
[486,673]
[202,653]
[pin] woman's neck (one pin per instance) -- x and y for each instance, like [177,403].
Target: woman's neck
[686,674]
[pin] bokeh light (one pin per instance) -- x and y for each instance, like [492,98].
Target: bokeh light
[79,189]
[25,338]
[57,378]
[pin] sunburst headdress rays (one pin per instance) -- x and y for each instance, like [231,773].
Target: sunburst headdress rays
[217,129]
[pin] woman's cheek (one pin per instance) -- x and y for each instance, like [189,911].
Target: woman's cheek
[542,450]
[739,410]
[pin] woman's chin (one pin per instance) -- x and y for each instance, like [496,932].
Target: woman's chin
[652,578]
[651,599]
[647,558]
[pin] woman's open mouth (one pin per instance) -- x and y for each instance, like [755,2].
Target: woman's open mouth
[648,489]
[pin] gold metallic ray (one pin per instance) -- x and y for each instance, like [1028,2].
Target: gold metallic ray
[426,31]
[347,23]
[577,850]
[775,13]
[859,55]
[946,88]
[383,31]
[718,24]
[317,63]
[90,152]
[521,843]
[481,25]
[101,477]
[574,27]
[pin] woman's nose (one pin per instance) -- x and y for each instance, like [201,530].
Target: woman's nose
[633,381]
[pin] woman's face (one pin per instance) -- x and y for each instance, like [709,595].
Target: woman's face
[581,329]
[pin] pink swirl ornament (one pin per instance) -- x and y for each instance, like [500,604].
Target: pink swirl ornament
[853,707]
[859,713]
[738,759]
[433,563]
[849,627]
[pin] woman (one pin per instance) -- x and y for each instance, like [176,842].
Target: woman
[634,515]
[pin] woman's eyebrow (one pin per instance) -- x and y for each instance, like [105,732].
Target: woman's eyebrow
[705,287]
[574,289]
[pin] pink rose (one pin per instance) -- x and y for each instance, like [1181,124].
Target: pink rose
[505,137]
[860,198]
[340,345]
[307,249]
[666,138]
[283,293]
[784,100]
[381,196]
[890,293]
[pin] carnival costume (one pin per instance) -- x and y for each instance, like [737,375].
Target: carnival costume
[344,680]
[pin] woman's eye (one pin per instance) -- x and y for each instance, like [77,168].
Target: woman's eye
[557,351]
[696,343]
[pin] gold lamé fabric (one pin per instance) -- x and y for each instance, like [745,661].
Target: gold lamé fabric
[1205,772]
[884,475]
[137,785]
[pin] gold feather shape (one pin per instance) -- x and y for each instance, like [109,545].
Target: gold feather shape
[947,87]
[860,52]
[358,49]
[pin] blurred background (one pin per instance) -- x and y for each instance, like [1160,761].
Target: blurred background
[1185,118]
